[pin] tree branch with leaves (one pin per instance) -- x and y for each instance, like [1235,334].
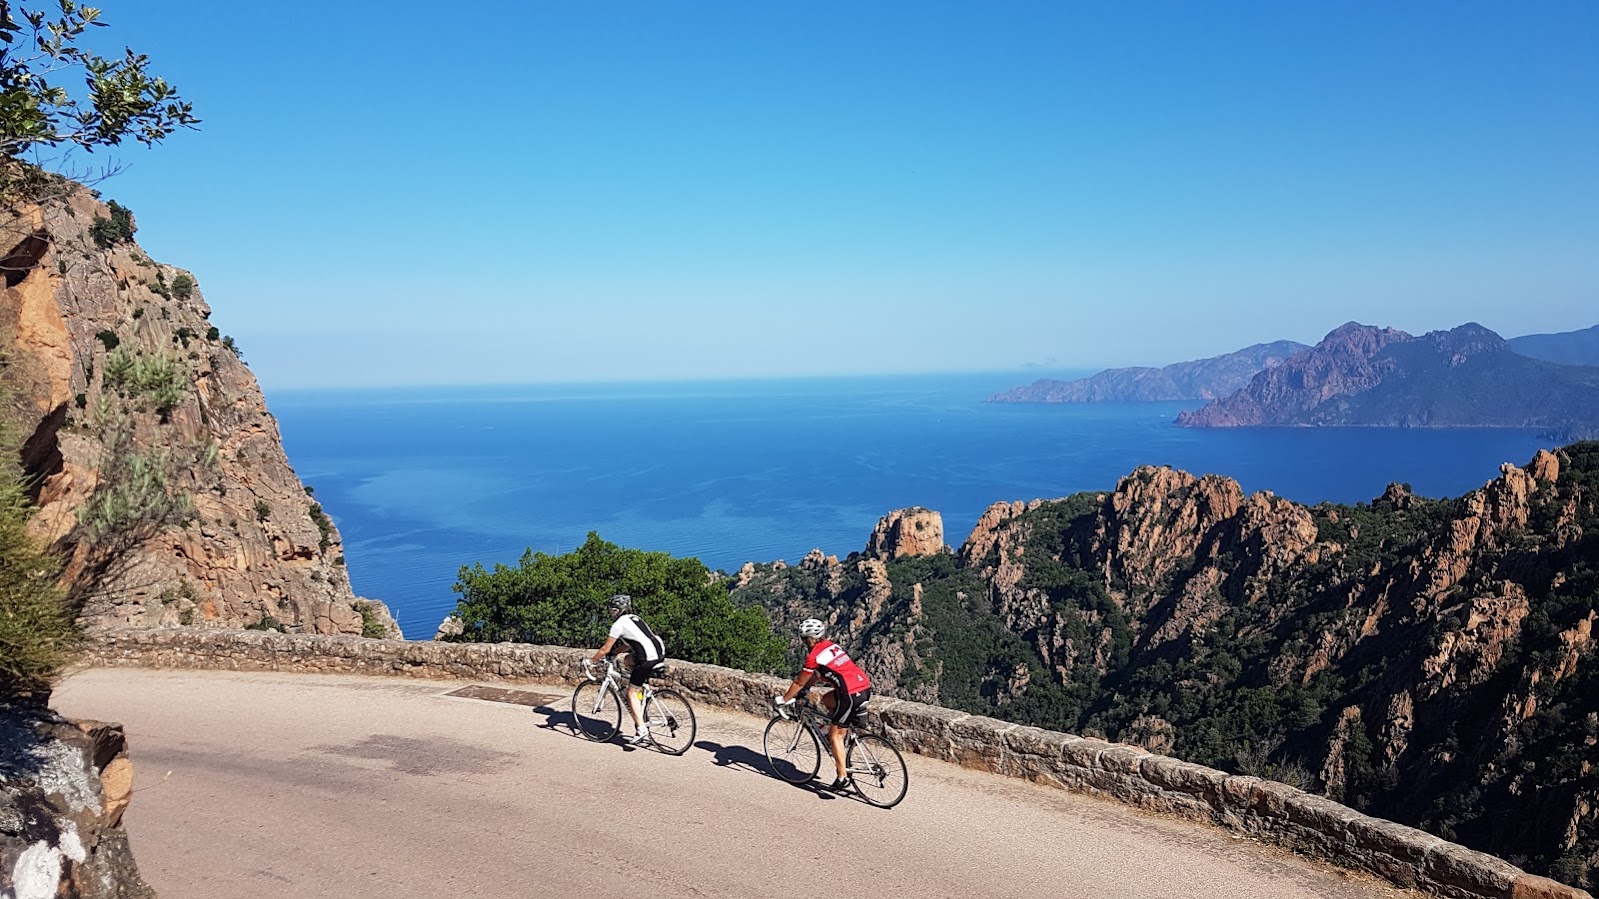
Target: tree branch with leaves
[119,98]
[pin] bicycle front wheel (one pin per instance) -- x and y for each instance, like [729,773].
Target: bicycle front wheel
[792,750]
[878,771]
[671,721]
[597,711]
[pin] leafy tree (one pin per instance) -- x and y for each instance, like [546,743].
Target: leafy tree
[120,97]
[560,600]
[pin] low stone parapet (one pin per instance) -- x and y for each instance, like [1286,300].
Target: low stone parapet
[1265,809]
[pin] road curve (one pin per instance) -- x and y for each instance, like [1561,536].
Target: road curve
[313,785]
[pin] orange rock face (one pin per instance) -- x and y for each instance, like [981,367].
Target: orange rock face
[113,357]
[907,532]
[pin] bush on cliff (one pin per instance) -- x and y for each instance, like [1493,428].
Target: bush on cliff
[37,629]
[561,599]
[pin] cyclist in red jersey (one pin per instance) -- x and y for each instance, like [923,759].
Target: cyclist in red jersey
[851,689]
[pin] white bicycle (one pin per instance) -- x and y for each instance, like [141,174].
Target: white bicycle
[597,706]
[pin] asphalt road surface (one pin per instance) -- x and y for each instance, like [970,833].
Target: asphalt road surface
[351,787]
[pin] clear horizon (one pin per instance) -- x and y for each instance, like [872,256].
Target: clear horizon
[631,193]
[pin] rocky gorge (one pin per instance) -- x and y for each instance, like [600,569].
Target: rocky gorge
[1424,660]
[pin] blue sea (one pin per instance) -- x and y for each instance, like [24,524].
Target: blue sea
[423,481]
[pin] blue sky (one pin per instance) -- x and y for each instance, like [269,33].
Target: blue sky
[407,193]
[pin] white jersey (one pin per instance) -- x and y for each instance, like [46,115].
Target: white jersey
[646,646]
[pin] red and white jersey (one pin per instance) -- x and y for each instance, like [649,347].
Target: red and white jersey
[830,661]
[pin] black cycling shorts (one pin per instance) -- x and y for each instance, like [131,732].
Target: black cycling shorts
[640,675]
[849,708]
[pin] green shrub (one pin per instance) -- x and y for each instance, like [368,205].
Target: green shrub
[262,510]
[370,625]
[159,378]
[324,525]
[38,630]
[131,498]
[212,333]
[183,287]
[119,228]
[267,623]
[561,600]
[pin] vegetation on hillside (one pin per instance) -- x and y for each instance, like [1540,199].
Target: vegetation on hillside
[560,600]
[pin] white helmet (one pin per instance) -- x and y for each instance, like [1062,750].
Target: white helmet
[812,627]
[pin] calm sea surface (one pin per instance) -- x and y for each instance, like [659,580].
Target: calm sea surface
[423,481]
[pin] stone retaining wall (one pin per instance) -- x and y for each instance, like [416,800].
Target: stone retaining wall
[1265,809]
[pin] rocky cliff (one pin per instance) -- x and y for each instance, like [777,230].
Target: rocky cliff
[1365,376]
[1203,379]
[1429,661]
[158,470]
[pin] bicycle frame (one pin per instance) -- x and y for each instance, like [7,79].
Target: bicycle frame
[613,681]
[811,717]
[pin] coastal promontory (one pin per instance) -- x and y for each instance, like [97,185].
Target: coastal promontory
[1361,375]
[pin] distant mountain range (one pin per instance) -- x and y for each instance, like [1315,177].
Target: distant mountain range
[1361,375]
[1204,379]
[1569,348]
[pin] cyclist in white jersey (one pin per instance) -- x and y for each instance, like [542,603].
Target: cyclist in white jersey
[645,652]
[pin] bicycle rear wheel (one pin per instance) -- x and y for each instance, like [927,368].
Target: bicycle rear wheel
[792,750]
[596,710]
[671,721]
[878,771]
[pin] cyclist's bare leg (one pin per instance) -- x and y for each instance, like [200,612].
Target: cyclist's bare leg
[835,734]
[635,695]
[835,737]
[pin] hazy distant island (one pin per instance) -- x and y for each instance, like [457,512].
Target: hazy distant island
[1203,379]
[1568,348]
[1361,375]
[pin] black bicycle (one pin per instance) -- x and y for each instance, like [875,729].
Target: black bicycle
[597,705]
[794,750]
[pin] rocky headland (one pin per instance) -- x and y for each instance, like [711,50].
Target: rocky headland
[1203,379]
[1359,375]
[1425,660]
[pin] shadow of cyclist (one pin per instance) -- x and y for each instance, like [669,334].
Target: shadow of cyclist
[564,721]
[559,720]
[743,758]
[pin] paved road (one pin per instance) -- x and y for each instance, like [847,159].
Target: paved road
[353,787]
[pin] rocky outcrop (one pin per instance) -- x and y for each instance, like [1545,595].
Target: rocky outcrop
[907,532]
[1366,376]
[1431,661]
[159,470]
[63,788]
[1204,379]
